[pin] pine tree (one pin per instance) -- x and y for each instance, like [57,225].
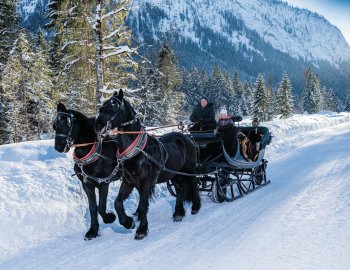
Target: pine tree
[41,83]
[330,100]
[73,53]
[238,98]
[196,89]
[248,92]
[215,88]
[8,33]
[284,97]
[271,98]
[261,102]
[8,30]
[17,90]
[312,97]
[347,102]
[169,81]
[163,98]
[13,105]
[113,60]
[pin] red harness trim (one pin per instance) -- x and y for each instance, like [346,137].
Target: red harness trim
[132,146]
[85,157]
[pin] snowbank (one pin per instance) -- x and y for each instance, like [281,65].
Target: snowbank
[41,201]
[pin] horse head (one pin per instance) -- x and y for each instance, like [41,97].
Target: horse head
[114,113]
[66,128]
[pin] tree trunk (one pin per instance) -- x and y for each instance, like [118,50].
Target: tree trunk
[99,52]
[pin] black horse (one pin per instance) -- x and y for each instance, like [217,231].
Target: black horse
[146,161]
[95,166]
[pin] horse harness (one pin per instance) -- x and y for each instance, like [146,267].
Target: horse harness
[92,156]
[137,147]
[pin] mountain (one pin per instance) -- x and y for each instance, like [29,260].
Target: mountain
[250,36]
[32,13]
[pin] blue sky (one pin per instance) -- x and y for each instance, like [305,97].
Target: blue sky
[337,12]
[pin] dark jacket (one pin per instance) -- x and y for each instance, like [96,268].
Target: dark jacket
[203,115]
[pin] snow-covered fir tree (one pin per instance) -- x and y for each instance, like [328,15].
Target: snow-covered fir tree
[261,100]
[271,97]
[73,46]
[113,60]
[330,101]
[195,92]
[248,92]
[284,98]
[216,88]
[8,33]
[8,30]
[13,105]
[94,46]
[41,82]
[17,91]
[239,106]
[27,91]
[347,102]
[311,95]
[163,98]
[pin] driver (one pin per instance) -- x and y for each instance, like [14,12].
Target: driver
[203,116]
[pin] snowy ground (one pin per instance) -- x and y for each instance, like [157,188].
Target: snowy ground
[300,221]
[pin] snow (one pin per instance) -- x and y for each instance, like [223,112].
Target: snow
[300,221]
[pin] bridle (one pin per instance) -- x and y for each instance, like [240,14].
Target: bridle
[70,121]
[121,107]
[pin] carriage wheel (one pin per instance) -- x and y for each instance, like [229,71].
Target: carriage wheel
[171,187]
[224,189]
[260,174]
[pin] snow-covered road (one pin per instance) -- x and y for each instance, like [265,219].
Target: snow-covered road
[300,221]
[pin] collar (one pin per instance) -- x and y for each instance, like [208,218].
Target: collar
[135,147]
[91,157]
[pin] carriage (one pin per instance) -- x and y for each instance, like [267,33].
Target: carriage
[225,177]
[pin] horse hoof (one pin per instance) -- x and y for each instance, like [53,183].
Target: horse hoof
[177,218]
[193,212]
[110,218]
[91,234]
[140,236]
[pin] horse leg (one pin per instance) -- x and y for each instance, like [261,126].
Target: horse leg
[180,194]
[137,213]
[196,200]
[93,231]
[124,192]
[103,192]
[145,193]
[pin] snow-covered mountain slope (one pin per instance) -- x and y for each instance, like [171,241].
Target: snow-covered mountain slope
[32,13]
[300,221]
[297,32]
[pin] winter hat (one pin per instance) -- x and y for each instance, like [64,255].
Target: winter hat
[223,112]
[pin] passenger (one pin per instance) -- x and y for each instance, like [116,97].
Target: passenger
[224,118]
[203,116]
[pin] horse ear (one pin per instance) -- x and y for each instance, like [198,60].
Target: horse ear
[61,107]
[121,94]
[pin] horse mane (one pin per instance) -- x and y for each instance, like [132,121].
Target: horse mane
[81,117]
[129,107]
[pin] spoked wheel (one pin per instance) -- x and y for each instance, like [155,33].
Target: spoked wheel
[260,174]
[171,187]
[224,189]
